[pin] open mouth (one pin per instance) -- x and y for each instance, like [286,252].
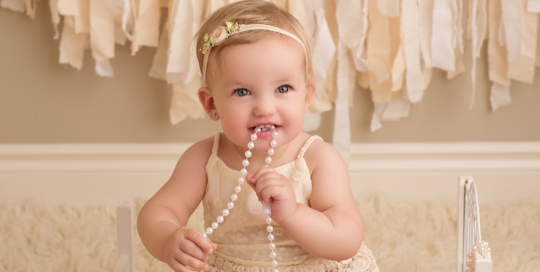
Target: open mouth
[264,129]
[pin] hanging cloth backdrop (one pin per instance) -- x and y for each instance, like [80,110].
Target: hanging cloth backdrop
[387,46]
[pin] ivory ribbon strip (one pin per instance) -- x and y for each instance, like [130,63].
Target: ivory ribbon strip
[159,64]
[411,34]
[71,45]
[68,7]
[524,70]
[443,35]
[458,40]
[378,52]
[180,50]
[323,52]
[388,8]
[128,19]
[533,6]
[511,19]
[104,68]
[342,127]
[148,23]
[426,20]
[500,96]
[538,45]
[185,102]
[82,20]
[55,17]
[478,20]
[497,55]
[15,5]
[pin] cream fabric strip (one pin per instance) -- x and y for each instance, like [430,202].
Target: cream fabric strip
[524,70]
[479,25]
[119,35]
[71,45]
[458,40]
[128,19]
[104,68]
[533,6]
[323,52]
[342,127]
[511,18]
[15,5]
[538,45]
[55,17]
[411,35]
[443,35]
[82,21]
[185,102]
[182,65]
[378,51]
[391,111]
[147,24]
[500,96]
[497,56]
[388,8]
[426,20]
[68,7]
[101,31]
[159,64]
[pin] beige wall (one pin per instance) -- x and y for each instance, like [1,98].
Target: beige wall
[42,101]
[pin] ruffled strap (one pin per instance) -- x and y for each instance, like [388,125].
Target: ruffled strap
[216,143]
[306,145]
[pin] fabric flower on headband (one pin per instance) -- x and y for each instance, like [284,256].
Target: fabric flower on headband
[217,36]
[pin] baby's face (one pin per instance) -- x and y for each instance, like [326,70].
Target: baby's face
[261,83]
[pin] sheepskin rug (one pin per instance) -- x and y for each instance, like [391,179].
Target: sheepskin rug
[402,236]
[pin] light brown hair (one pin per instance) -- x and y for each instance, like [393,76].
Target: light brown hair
[249,12]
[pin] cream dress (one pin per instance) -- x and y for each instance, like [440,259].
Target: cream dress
[241,240]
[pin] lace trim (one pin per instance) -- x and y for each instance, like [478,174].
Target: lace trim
[362,262]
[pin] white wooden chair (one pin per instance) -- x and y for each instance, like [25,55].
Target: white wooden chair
[473,254]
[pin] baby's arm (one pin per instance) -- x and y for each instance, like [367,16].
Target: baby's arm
[332,228]
[168,211]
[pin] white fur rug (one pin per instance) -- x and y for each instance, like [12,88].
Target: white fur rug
[403,237]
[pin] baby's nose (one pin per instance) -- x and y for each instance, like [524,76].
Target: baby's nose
[264,107]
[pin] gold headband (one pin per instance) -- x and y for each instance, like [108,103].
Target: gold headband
[223,32]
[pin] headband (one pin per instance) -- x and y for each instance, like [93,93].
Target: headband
[223,32]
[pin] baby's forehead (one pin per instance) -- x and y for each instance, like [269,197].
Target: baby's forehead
[272,57]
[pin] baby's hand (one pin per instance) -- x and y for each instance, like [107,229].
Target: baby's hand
[188,247]
[270,185]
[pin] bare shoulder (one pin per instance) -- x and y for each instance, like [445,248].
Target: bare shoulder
[321,154]
[198,153]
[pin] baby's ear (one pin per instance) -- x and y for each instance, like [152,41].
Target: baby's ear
[207,101]
[310,93]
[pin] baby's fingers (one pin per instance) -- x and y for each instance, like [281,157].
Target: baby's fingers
[185,260]
[200,246]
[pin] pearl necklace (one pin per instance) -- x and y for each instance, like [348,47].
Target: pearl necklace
[238,189]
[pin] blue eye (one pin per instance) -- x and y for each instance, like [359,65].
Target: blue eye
[283,89]
[241,92]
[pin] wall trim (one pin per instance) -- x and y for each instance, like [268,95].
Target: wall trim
[372,158]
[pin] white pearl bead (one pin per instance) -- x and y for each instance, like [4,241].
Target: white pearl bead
[225,212]
[248,154]
[230,205]
[253,136]
[271,151]
[268,160]
[273,254]
[274,134]
[215,225]
[273,143]
[251,145]
[275,270]
[274,263]
[209,230]
[258,130]
[243,172]
[245,162]
[220,219]
[271,237]
[268,219]
[269,228]
[234,197]
[238,189]
[205,235]
[272,246]
[241,180]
